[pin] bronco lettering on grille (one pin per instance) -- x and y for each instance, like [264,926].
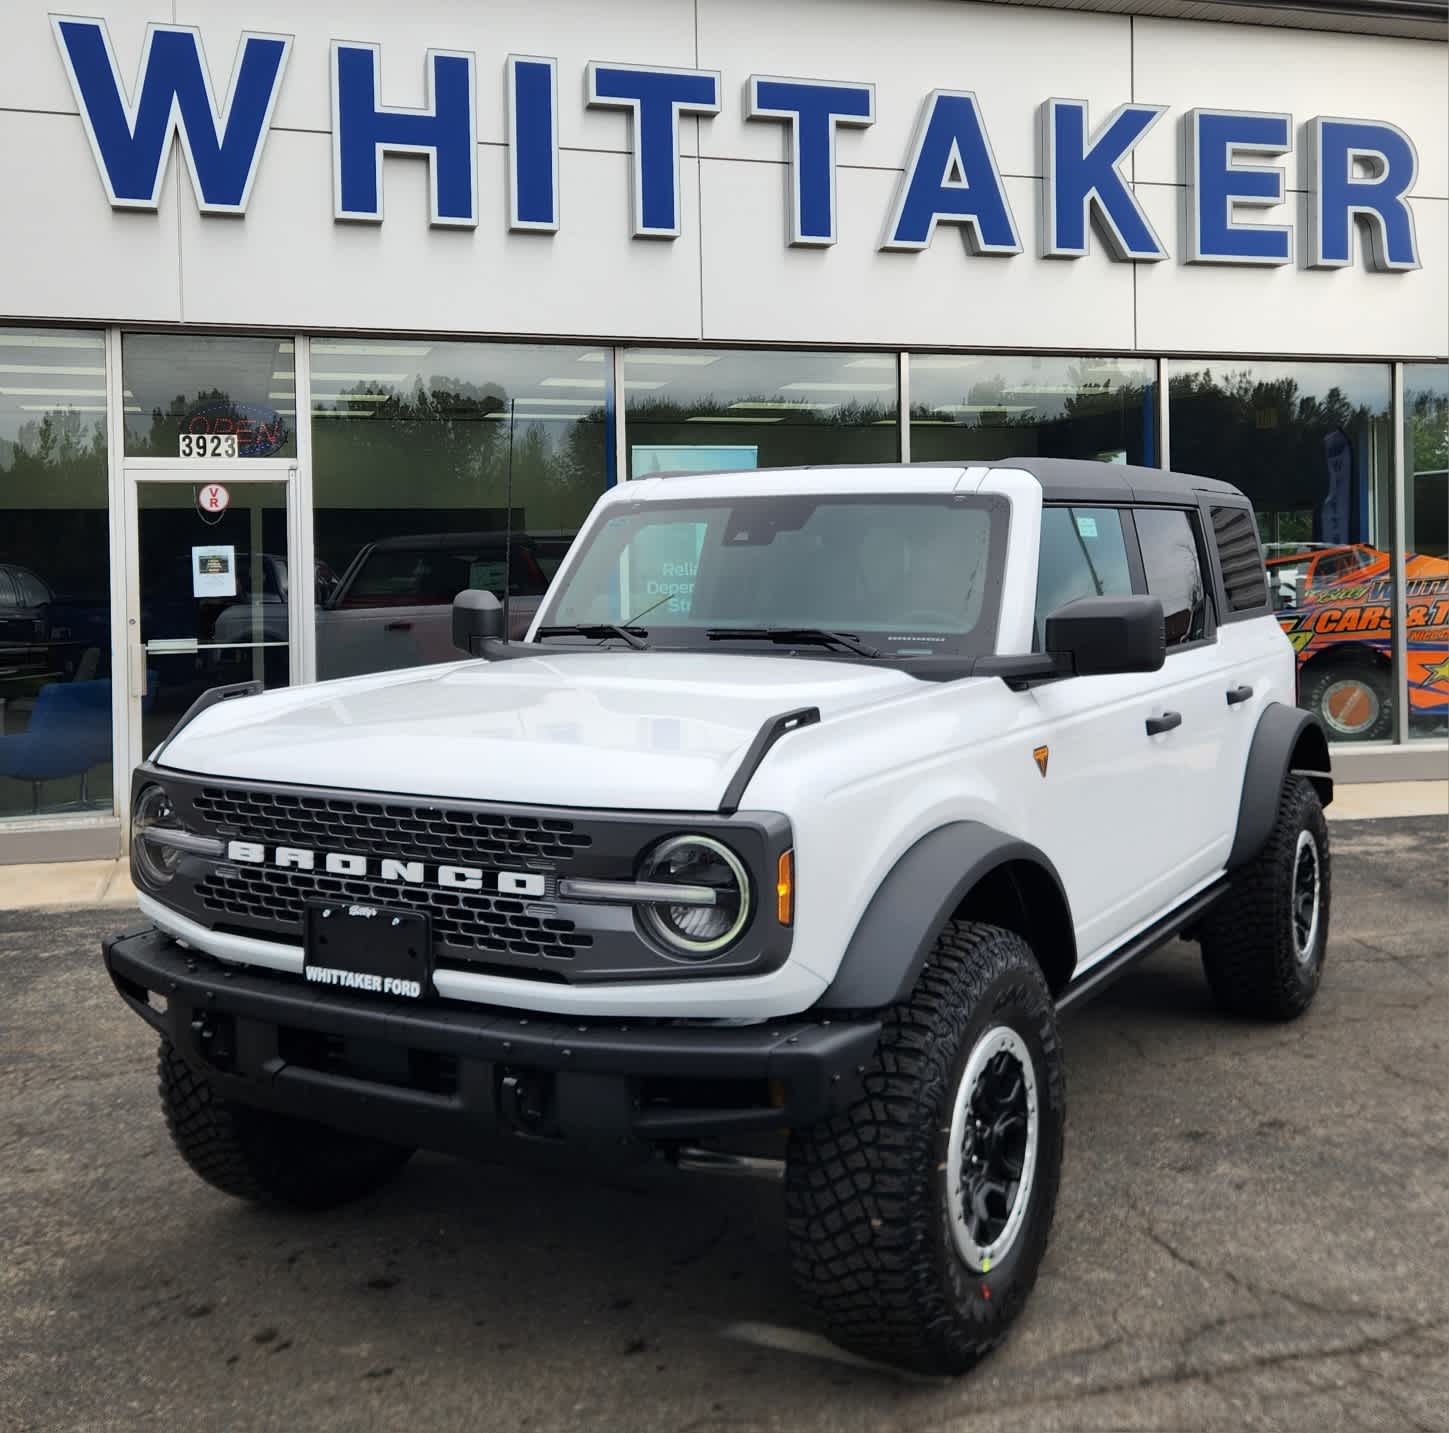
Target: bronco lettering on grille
[413,873]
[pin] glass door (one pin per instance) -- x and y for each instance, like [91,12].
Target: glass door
[209,589]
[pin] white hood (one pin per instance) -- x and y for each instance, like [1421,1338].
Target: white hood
[625,730]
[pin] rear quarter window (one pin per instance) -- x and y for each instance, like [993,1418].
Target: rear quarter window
[1236,537]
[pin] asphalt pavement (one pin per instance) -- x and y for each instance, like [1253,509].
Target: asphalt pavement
[1253,1233]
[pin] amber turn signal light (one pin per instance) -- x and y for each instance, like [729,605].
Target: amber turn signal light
[785,888]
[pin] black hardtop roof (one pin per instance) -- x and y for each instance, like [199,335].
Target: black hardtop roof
[1085,479]
[1062,479]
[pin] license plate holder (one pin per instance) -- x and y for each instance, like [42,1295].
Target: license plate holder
[352,946]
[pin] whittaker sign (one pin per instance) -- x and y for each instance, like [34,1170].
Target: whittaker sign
[1359,172]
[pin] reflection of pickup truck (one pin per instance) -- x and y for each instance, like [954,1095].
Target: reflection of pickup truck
[25,603]
[1335,604]
[392,607]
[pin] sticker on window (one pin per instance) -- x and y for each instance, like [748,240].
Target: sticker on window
[1086,527]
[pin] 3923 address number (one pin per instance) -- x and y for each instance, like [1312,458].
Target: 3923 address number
[208,445]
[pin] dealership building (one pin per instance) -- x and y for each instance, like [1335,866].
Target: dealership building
[303,307]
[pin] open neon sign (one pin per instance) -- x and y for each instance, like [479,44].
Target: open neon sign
[259,432]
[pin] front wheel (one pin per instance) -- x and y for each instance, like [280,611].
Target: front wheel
[918,1218]
[265,1157]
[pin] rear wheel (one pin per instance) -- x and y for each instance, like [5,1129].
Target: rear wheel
[1264,945]
[918,1218]
[1353,698]
[265,1157]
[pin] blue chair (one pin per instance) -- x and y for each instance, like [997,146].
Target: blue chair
[69,732]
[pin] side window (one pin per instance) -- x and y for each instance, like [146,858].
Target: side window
[1083,554]
[1238,556]
[1172,560]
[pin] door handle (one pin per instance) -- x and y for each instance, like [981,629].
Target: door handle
[1238,694]
[1166,722]
[398,627]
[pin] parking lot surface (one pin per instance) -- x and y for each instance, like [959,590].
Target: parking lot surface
[1253,1233]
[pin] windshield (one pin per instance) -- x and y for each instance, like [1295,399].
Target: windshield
[907,574]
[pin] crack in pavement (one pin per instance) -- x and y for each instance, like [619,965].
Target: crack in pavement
[1181,1375]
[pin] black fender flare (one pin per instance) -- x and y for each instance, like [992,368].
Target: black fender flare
[918,896]
[1282,731]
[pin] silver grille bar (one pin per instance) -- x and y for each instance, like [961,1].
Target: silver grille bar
[636,893]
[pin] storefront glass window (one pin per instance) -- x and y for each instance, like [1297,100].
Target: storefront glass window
[419,453]
[183,388]
[1312,445]
[978,408]
[697,410]
[1426,507]
[55,605]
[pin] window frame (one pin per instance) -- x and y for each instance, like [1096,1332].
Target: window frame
[1192,511]
[1136,571]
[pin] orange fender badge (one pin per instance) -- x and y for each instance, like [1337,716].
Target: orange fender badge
[1042,754]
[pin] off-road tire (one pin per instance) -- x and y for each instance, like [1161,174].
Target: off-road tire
[264,1157]
[1374,677]
[1249,951]
[867,1221]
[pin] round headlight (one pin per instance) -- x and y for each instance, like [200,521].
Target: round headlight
[157,864]
[693,927]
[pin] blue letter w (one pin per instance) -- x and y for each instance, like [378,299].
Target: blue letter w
[131,137]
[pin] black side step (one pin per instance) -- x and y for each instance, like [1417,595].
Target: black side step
[765,738]
[1101,975]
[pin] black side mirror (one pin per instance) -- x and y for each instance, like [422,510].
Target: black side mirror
[1097,636]
[477,618]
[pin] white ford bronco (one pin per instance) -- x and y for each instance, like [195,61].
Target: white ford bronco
[809,802]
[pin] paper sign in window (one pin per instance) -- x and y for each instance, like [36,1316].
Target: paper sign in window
[213,571]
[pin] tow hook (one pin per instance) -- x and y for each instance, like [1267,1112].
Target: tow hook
[214,1038]
[524,1100]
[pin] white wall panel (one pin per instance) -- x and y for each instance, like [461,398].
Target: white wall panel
[1206,309]
[32,74]
[756,287]
[1303,73]
[64,252]
[645,32]
[289,265]
[1013,58]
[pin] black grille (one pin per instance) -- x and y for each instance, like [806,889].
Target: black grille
[463,920]
[449,835]
[473,925]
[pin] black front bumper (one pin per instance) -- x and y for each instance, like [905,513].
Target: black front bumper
[463,1078]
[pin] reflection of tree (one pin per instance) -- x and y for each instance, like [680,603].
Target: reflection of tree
[1428,436]
[62,446]
[1093,415]
[765,406]
[53,504]
[1265,436]
[437,456]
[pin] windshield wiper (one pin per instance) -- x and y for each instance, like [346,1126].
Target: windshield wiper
[632,635]
[793,636]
